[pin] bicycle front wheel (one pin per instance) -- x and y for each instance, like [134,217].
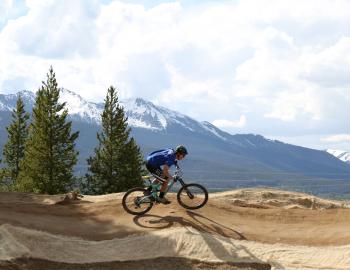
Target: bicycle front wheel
[137,201]
[192,196]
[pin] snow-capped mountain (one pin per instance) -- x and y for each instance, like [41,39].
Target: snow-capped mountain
[140,113]
[218,159]
[80,109]
[8,102]
[340,154]
[77,107]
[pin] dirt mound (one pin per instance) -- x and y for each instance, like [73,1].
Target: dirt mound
[71,197]
[176,243]
[28,198]
[248,228]
[169,263]
[103,218]
[274,198]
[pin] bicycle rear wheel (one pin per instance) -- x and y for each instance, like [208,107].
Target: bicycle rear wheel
[192,196]
[135,201]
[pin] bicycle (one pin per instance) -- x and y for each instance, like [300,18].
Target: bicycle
[139,200]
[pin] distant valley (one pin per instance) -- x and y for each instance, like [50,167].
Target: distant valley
[217,159]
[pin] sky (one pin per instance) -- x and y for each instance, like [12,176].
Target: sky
[272,67]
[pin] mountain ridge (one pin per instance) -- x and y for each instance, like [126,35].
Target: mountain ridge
[217,159]
[340,154]
[140,112]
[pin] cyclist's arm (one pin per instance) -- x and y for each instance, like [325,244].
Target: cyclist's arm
[166,172]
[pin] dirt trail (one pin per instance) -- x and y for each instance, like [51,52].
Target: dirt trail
[96,218]
[243,229]
[160,263]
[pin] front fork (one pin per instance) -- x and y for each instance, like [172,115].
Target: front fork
[189,194]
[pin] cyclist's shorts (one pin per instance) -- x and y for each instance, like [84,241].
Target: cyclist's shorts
[155,170]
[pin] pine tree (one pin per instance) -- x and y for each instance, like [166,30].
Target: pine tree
[13,151]
[116,164]
[4,186]
[50,149]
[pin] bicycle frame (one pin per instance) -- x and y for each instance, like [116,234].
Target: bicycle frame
[156,187]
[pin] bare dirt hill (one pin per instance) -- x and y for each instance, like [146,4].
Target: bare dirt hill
[243,229]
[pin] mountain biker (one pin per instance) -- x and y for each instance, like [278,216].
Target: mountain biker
[159,162]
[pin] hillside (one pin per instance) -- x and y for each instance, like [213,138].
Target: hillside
[217,159]
[242,229]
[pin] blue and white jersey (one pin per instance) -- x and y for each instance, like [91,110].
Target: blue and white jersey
[162,157]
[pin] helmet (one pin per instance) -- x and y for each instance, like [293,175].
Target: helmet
[181,149]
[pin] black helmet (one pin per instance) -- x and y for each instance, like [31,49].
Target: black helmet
[182,150]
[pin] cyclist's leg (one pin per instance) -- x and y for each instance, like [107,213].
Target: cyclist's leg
[164,186]
[154,170]
[163,189]
[159,172]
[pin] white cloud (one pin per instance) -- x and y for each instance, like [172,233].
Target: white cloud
[184,89]
[222,123]
[288,105]
[329,67]
[53,29]
[5,7]
[282,64]
[337,138]
[131,29]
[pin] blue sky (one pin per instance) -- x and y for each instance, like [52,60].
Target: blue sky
[277,68]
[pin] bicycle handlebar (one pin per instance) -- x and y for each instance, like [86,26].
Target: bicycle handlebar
[178,172]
